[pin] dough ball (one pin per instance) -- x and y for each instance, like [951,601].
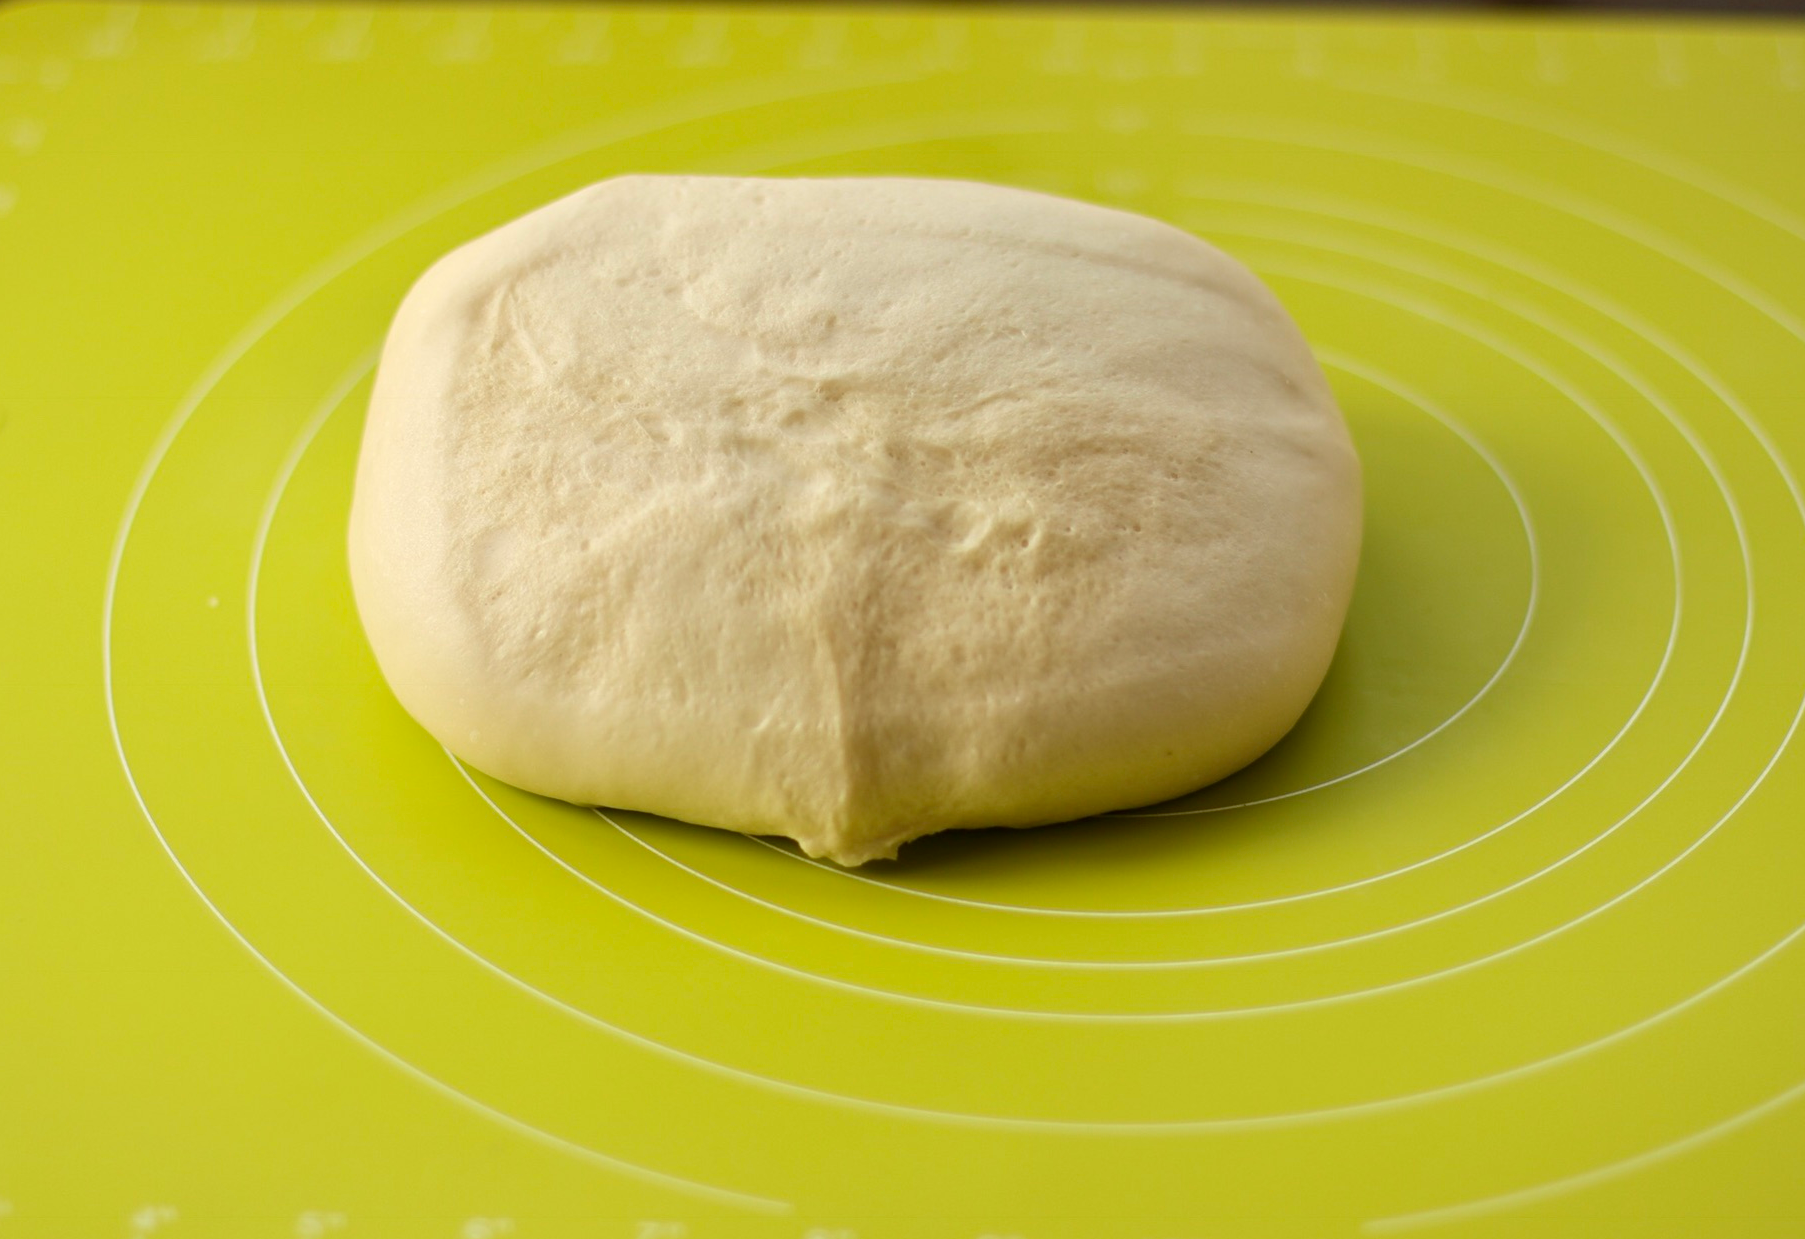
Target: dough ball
[850,510]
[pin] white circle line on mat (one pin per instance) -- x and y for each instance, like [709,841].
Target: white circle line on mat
[1693,176]
[886,1107]
[1372,374]
[1462,1087]
[266,520]
[1610,1038]
[1703,179]
[1511,260]
[1648,393]
[642,1173]
[759,1204]
[788,152]
[1654,240]
[1583,210]
[1265,1121]
[1403,1222]
[1341,361]
[1432,313]
[1390,383]
[118,745]
[240,345]
[1377,378]
[1642,389]
[1405,302]
[1361,143]
[1609,219]
[609,893]
[557,150]
[1667,247]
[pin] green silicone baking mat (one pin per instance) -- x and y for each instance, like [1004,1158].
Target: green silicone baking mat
[1503,940]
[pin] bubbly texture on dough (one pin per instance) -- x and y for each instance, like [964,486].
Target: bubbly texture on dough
[850,510]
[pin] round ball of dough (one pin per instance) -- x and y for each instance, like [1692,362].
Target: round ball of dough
[850,510]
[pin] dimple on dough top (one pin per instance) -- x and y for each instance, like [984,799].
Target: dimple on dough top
[850,510]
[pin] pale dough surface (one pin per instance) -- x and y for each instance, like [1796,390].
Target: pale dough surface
[850,510]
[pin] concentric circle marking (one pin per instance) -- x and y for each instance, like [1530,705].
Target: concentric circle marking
[1682,172]
[1664,245]
[1432,313]
[1260,1121]
[260,326]
[1001,1121]
[309,433]
[1643,472]
[1748,625]
[643,1173]
[1379,379]
[1717,475]
[1589,1178]
[1670,777]
[1749,612]
[1254,1122]
[360,862]
[1642,469]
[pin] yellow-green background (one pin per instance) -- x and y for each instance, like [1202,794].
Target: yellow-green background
[1500,942]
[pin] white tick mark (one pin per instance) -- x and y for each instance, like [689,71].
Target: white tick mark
[1431,56]
[588,42]
[25,135]
[1127,66]
[1309,59]
[707,44]
[152,1218]
[1122,182]
[348,40]
[115,36]
[1670,61]
[825,44]
[468,43]
[1124,119]
[1551,62]
[1791,54]
[232,39]
[952,43]
[318,1223]
[1066,53]
[1187,52]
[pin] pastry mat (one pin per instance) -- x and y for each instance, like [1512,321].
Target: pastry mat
[1505,939]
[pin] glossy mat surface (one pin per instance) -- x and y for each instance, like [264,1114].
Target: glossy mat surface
[1503,940]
